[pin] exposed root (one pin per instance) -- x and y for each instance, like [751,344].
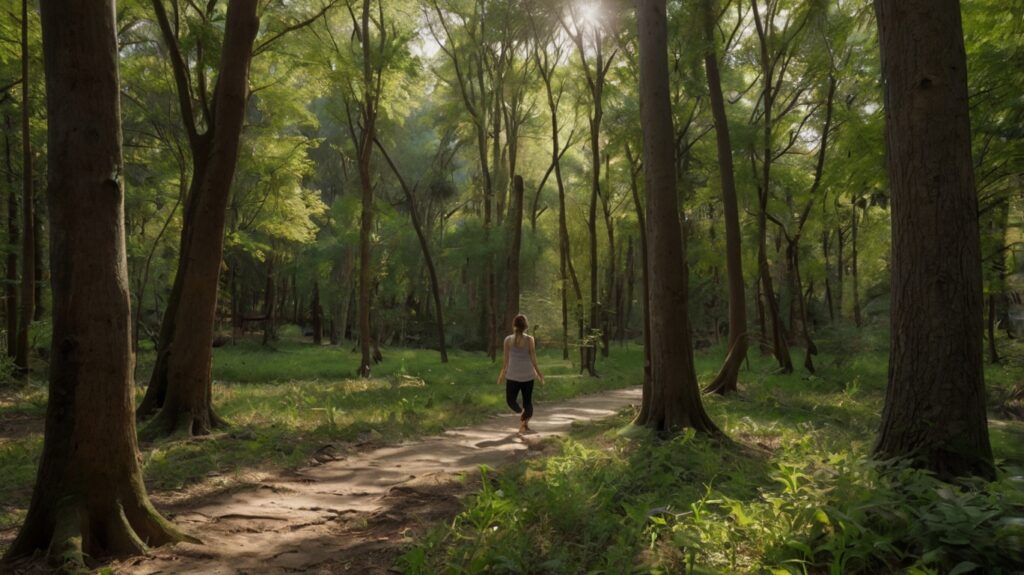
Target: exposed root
[181,423]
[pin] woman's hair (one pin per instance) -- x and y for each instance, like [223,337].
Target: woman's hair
[520,325]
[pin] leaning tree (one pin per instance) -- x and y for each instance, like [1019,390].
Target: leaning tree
[89,498]
[935,401]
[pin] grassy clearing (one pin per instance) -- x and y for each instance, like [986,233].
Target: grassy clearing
[285,403]
[794,492]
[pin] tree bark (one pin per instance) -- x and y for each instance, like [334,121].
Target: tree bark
[725,381]
[270,304]
[11,265]
[826,237]
[993,352]
[857,320]
[645,293]
[769,92]
[934,410]
[515,240]
[28,235]
[435,285]
[316,314]
[181,385]
[89,500]
[674,401]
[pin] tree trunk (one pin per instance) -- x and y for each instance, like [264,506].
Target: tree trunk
[366,137]
[435,285]
[515,239]
[840,268]
[993,352]
[11,266]
[780,347]
[269,304]
[613,264]
[645,293]
[182,373]
[89,500]
[316,314]
[935,401]
[725,381]
[674,401]
[825,250]
[853,268]
[39,228]
[627,313]
[28,235]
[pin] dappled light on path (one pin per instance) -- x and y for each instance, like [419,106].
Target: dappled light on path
[353,514]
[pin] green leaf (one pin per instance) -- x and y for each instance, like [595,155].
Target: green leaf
[963,567]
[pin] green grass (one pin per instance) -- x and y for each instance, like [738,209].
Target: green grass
[285,403]
[794,491]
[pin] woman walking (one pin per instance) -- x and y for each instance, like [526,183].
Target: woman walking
[519,369]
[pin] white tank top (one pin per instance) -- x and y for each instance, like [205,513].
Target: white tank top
[520,368]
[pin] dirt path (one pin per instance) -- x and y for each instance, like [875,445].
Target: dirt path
[356,514]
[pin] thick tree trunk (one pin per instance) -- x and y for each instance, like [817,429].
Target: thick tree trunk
[725,381]
[89,500]
[184,361]
[674,400]
[934,410]
[28,235]
[11,265]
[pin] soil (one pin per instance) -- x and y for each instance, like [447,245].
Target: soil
[353,512]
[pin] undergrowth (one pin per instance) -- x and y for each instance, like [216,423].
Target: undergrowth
[793,491]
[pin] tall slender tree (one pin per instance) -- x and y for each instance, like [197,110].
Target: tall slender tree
[934,410]
[595,64]
[674,400]
[89,498]
[180,386]
[28,248]
[726,379]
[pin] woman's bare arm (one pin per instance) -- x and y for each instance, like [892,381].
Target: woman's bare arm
[504,363]
[533,360]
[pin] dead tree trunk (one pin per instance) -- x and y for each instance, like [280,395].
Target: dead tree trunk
[89,500]
[934,410]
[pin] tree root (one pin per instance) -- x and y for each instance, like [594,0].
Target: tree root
[172,422]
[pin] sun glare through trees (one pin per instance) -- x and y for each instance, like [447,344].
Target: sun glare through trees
[512,286]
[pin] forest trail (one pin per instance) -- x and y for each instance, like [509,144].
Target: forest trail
[355,514]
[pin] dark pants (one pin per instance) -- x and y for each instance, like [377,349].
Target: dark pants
[512,389]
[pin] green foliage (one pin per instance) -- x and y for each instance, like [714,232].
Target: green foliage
[796,493]
[285,404]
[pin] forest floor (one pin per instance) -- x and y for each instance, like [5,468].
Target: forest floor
[412,470]
[355,512]
[294,405]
